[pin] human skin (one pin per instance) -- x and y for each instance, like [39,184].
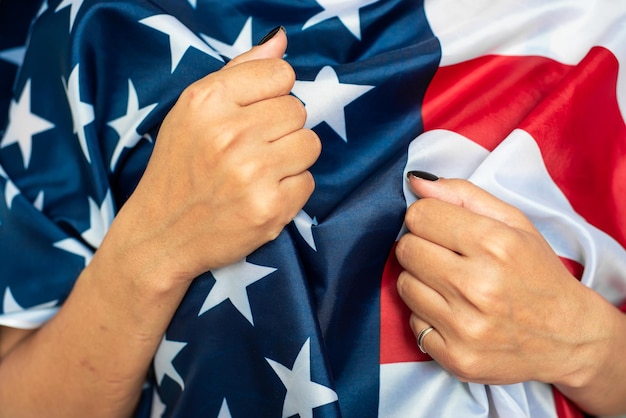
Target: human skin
[229,170]
[504,307]
[202,205]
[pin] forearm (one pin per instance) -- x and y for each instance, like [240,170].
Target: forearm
[194,210]
[91,359]
[601,390]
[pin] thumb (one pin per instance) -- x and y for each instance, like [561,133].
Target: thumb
[469,196]
[273,45]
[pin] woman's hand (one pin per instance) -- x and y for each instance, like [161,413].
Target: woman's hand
[503,306]
[228,171]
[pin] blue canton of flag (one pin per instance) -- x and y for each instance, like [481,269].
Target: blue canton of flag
[293,329]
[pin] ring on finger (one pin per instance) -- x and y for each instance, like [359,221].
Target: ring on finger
[420,338]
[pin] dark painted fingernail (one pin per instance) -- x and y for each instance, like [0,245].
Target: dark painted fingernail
[271,34]
[423,175]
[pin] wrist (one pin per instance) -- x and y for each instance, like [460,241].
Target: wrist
[591,345]
[139,247]
[598,364]
[133,278]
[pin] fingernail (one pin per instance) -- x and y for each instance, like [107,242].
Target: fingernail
[423,175]
[271,34]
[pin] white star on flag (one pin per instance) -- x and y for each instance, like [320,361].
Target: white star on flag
[42,9]
[14,315]
[224,411]
[73,246]
[23,125]
[163,361]
[82,113]
[74,7]
[10,192]
[346,11]
[325,99]
[158,407]
[14,55]
[304,224]
[126,126]
[148,137]
[10,305]
[100,219]
[303,395]
[181,38]
[231,283]
[242,44]
[38,203]
[193,3]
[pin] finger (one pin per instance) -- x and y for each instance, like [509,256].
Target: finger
[272,118]
[251,77]
[244,84]
[451,226]
[274,47]
[296,191]
[295,153]
[428,340]
[422,300]
[436,266]
[464,194]
[265,73]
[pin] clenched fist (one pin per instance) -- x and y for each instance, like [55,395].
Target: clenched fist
[229,169]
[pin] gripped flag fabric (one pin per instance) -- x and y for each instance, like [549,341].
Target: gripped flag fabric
[525,99]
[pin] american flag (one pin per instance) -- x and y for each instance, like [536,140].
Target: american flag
[525,99]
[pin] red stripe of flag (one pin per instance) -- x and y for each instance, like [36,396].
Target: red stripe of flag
[572,113]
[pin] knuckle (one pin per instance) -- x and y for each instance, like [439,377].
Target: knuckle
[416,211]
[490,295]
[403,284]
[284,71]
[499,242]
[221,142]
[243,174]
[466,366]
[274,232]
[297,198]
[264,210]
[313,144]
[309,184]
[216,90]
[401,248]
[486,293]
[516,216]
[278,71]
[476,332]
[405,252]
[191,92]
[411,214]
[406,255]
[197,94]
[296,109]
[271,224]
[317,142]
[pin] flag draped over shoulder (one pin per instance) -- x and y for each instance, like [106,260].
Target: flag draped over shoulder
[525,99]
